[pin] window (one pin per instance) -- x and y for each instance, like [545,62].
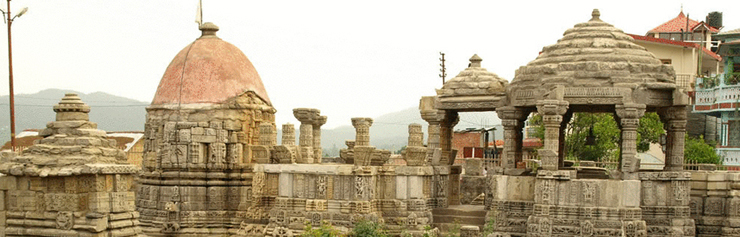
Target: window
[665,61]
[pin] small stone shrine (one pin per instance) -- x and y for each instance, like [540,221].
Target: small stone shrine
[594,68]
[73,182]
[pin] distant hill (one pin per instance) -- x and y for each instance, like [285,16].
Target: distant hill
[390,131]
[33,111]
[115,113]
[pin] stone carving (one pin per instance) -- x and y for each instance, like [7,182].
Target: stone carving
[73,176]
[415,153]
[362,150]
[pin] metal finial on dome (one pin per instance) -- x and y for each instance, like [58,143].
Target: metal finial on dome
[595,15]
[475,61]
[209,29]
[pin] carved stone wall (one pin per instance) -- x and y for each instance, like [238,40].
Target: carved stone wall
[665,203]
[197,174]
[715,203]
[344,195]
[510,201]
[565,206]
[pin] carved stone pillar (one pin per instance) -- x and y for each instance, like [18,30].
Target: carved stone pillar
[362,150]
[307,117]
[552,116]
[416,153]
[263,150]
[629,119]
[674,119]
[267,134]
[288,138]
[445,137]
[511,119]
[318,152]
[362,131]
[434,118]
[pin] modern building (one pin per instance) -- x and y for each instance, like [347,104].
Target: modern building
[687,45]
[719,96]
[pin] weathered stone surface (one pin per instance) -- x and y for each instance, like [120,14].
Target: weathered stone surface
[73,178]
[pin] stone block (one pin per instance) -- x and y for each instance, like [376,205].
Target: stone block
[197,131]
[699,176]
[216,124]
[186,125]
[261,154]
[414,188]
[184,135]
[122,202]
[99,202]
[204,138]
[718,186]
[630,193]
[286,185]
[401,187]
[473,167]
[222,135]
[8,182]
[717,176]
[700,185]
[234,153]
[232,125]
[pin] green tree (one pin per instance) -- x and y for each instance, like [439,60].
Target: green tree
[695,149]
[605,130]
[649,131]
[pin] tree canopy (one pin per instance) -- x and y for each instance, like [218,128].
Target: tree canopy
[605,130]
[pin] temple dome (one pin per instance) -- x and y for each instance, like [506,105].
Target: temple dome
[593,54]
[474,80]
[209,70]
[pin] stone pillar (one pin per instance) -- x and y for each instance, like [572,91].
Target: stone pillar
[434,117]
[445,138]
[511,119]
[267,134]
[416,153]
[288,135]
[629,119]
[363,151]
[416,136]
[307,117]
[674,119]
[552,112]
[318,151]
[263,150]
[362,131]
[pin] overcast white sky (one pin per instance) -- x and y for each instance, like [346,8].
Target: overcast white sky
[347,58]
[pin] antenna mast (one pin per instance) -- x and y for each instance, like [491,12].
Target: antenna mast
[443,69]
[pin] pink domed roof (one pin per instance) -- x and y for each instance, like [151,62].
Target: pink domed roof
[208,70]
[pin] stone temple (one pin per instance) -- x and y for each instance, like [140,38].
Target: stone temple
[212,165]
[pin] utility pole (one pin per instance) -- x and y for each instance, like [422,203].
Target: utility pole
[9,22]
[443,70]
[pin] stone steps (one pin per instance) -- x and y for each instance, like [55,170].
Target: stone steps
[457,216]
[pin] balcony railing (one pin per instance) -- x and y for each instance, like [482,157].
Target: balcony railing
[730,156]
[717,89]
